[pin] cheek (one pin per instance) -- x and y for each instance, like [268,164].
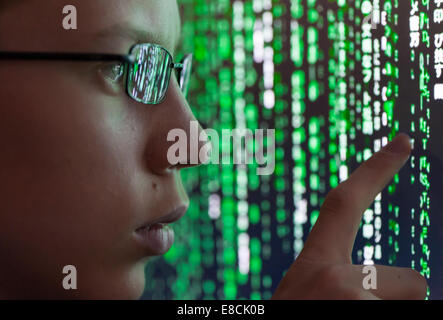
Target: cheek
[69,156]
[66,136]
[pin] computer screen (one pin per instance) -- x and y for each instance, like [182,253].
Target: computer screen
[337,80]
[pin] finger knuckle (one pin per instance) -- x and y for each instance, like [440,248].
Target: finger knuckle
[338,199]
[333,276]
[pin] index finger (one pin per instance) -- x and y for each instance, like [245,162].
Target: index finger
[334,234]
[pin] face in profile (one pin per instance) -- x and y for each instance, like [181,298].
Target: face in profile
[83,167]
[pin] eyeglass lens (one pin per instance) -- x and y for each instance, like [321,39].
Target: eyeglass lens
[148,78]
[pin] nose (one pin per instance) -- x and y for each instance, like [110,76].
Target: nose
[176,138]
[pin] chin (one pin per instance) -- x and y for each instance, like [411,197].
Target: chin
[130,287]
[127,285]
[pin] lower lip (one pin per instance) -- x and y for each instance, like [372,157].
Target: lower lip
[157,239]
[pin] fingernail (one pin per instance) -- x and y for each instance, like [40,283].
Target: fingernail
[400,145]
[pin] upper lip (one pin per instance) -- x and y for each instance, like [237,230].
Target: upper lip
[171,217]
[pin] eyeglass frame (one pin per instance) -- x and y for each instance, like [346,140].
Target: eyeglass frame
[128,59]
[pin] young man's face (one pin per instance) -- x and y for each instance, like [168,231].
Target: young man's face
[82,165]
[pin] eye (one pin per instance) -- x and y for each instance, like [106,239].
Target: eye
[113,71]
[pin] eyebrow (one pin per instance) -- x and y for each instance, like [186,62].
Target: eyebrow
[136,35]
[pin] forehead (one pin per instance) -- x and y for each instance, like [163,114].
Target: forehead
[103,25]
[137,21]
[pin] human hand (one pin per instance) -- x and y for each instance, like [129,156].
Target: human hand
[324,269]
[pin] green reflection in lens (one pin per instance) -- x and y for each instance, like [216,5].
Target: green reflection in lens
[148,78]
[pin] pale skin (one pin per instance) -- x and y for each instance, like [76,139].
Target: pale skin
[82,165]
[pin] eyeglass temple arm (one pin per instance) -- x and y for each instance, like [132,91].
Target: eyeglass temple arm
[66,56]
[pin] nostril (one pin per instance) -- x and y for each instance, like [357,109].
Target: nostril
[154,186]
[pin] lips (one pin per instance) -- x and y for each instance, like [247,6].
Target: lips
[156,237]
[171,217]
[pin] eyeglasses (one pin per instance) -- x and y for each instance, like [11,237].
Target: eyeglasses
[148,69]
